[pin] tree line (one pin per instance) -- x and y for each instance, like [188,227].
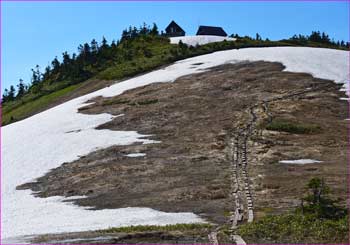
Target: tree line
[315,37]
[90,58]
[321,38]
[95,56]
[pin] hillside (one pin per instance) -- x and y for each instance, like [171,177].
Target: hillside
[158,148]
[99,65]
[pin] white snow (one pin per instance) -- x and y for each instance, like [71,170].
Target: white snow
[300,161]
[136,155]
[44,141]
[199,40]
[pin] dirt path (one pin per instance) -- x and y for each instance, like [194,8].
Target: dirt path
[213,238]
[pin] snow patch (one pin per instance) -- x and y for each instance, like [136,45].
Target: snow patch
[300,161]
[136,155]
[199,40]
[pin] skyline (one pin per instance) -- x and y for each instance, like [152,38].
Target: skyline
[34,33]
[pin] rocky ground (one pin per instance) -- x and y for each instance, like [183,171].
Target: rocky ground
[195,120]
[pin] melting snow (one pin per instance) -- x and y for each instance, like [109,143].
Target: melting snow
[300,161]
[37,144]
[199,40]
[136,155]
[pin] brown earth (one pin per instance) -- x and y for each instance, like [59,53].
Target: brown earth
[194,118]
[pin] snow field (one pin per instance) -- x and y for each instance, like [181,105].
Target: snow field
[199,40]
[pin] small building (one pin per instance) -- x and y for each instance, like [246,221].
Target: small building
[174,30]
[211,30]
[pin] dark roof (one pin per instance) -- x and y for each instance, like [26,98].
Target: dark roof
[211,30]
[173,24]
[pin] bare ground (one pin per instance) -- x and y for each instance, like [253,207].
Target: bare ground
[193,118]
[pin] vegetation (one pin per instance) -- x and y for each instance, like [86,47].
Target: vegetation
[139,50]
[14,111]
[317,39]
[318,220]
[147,228]
[292,127]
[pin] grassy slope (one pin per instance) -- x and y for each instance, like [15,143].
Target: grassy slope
[296,228]
[22,109]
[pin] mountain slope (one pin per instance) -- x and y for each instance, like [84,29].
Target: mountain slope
[46,140]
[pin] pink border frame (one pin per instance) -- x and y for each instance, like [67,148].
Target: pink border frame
[348,155]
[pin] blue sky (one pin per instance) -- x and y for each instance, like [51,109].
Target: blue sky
[35,32]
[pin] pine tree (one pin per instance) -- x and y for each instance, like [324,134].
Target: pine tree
[94,46]
[5,96]
[113,45]
[86,49]
[144,29]
[47,72]
[55,64]
[104,43]
[318,201]
[154,30]
[36,75]
[124,35]
[257,37]
[21,89]
[11,94]
[66,60]
[134,33]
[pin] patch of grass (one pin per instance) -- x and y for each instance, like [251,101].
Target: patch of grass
[143,102]
[147,102]
[266,210]
[293,127]
[16,113]
[146,228]
[115,102]
[227,213]
[295,228]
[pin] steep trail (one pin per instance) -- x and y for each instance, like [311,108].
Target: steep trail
[241,190]
[213,238]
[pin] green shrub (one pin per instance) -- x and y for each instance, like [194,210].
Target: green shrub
[318,220]
[295,228]
[292,127]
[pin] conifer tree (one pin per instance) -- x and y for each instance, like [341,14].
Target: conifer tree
[104,43]
[94,47]
[154,30]
[21,89]
[55,64]
[5,96]
[11,93]
[257,37]
[36,75]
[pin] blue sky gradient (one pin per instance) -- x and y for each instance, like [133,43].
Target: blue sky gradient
[35,32]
